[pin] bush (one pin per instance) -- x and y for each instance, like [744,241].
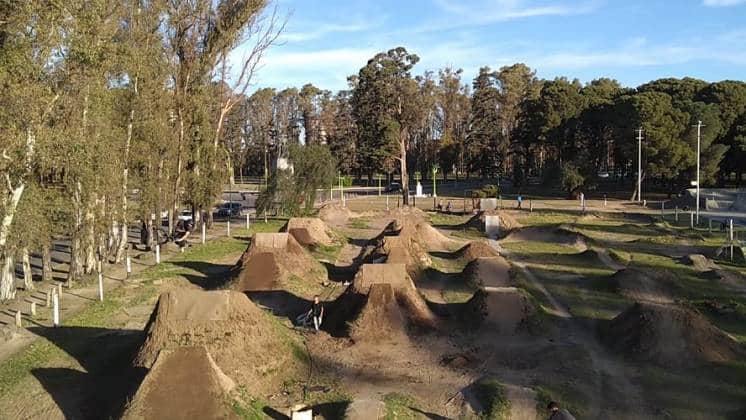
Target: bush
[572,179]
[491,394]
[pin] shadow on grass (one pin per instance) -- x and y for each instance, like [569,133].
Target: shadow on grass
[108,379]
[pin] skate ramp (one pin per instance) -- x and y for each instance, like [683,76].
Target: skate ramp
[668,335]
[183,383]
[309,231]
[503,310]
[233,329]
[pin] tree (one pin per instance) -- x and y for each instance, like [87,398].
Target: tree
[453,108]
[384,111]
[293,191]
[485,149]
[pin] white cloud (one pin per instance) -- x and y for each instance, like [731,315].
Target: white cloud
[323,30]
[723,3]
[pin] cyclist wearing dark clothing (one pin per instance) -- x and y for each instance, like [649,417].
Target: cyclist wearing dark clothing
[317,311]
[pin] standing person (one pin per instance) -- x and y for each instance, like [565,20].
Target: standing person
[519,199]
[317,311]
[448,207]
[557,413]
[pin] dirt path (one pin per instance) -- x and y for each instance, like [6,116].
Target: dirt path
[522,402]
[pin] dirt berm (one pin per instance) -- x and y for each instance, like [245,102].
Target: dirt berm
[668,335]
[645,284]
[504,310]
[184,383]
[412,223]
[269,262]
[335,214]
[351,305]
[309,231]
[474,250]
[244,343]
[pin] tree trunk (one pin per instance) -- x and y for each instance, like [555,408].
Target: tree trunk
[46,263]
[89,261]
[28,279]
[403,170]
[7,277]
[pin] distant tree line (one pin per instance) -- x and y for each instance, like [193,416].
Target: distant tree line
[506,122]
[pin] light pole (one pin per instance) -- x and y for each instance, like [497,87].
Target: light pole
[435,171]
[639,165]
[699,135]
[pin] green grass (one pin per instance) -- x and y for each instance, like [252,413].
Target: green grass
[491,395]
[359,223]
[327,253]
[536,247]
[443,219]
[542,218]
[566,397]
[246,406]
[399,407]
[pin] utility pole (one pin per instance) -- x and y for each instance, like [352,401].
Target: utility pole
[639,165]
[699,136]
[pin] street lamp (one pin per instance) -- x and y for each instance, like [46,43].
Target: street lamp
[435,171]
[699,135]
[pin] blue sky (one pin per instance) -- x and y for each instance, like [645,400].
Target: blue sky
[633,41]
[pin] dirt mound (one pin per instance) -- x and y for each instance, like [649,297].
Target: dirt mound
[414,307]
[489,272]
[506,310]
[413,223]
[507,221]
[645,285]
[739,254]
[380,317]
[271,260]
[558,235]
[234,330]
[309,231]
[699,262]
[669,335]
[476,249]
[183,383]
[335,214]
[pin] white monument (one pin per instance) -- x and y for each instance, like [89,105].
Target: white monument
[418,190]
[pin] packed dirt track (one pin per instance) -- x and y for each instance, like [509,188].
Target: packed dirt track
[423,317]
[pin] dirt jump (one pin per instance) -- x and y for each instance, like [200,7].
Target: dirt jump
[183,383]
[335,214]
[474,250]
[412,223]
[413,305]
[381,318]
[560,235]
[507,220]
[269,262]
[309,231]
[645,285]
[233,329]
[668,335]
[489,272]
[502,310]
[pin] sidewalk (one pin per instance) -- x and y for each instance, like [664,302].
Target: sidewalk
[75,300]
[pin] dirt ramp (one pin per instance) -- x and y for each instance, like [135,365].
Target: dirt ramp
[381,317]
[476,249]
[335,214]
[508,222]
[309,231]
[183,383]
[415,308]
[233,329]
[560,235]
[699,262]
[645,285]
[669,335]
[271,260]
[489,272]
[505,310]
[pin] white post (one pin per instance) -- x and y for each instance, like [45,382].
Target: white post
[730,230]
[265,216]
[691,219]
[59,289]
[387,203]
[100,286]
[157,253]
[530,206]
[248,223]
[639,165]
[699,134]
[604,200]
[33,309]
[676,214]
[129,266]
[204,233]
[663,208]
[48,301]
[19,323]
[56,310]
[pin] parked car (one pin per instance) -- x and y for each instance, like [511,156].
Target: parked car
[393,187]
[185,215]
[229,209]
